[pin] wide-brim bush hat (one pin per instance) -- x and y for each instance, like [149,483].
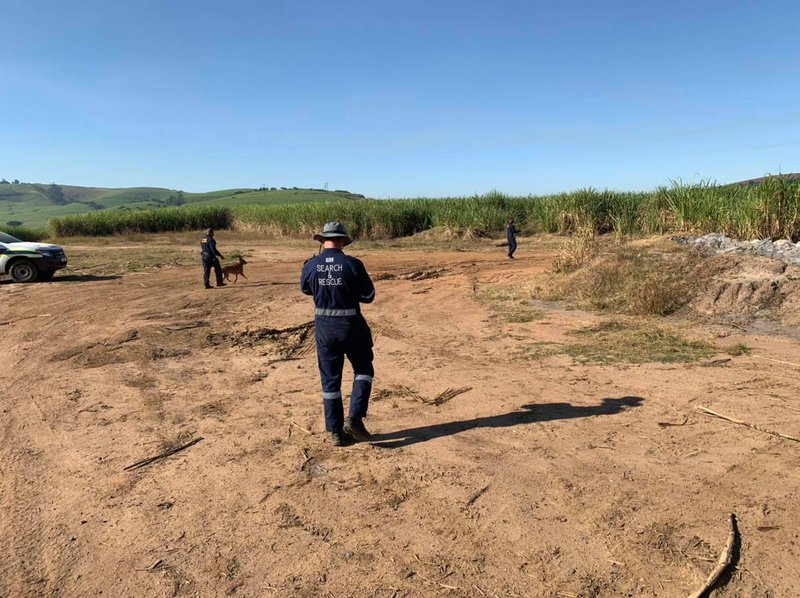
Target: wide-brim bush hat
[333,230]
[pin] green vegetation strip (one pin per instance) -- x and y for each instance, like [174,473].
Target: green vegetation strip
[622,343]
[24,233]
[141,221]
[618,342]
[771,209]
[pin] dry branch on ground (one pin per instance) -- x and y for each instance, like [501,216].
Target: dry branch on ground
[172,451]
[707,411]
[722,563]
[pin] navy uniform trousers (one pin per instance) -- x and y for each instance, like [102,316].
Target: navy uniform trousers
[339,337]
[512,245]
[511,235]
[211,261]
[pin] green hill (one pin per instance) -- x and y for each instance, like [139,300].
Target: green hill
[32,204]
[792,176]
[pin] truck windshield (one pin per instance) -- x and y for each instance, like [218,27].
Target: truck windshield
[4,238]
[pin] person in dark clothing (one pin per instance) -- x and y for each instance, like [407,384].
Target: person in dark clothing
[210,256]
[511,233]
[339,283]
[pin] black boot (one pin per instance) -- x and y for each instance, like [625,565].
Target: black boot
[354,427]
[337,439]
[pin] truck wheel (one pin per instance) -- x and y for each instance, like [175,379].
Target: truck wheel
[23,271]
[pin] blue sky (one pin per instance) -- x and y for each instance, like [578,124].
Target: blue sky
[398,98]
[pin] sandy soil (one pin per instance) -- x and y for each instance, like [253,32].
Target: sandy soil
[545,478]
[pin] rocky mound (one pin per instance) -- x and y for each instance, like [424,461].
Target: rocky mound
[783,250]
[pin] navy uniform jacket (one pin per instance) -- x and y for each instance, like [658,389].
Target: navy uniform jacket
[209,245]
[339,283]
[511,232]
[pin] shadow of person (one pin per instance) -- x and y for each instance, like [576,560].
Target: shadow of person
[530,413]
[252,285]
[82,278]
[68,278]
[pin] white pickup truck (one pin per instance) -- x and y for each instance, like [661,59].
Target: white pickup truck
[27,262]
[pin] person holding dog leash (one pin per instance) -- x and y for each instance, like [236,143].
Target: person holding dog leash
[339,283]
[210,256]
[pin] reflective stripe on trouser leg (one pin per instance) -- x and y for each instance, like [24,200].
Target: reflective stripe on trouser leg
[362,383]
[330,364]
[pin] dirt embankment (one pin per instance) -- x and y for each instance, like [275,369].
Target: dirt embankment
[659,277]
[496,469]
[750,287]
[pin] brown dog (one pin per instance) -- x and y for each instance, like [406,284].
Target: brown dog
[236,269]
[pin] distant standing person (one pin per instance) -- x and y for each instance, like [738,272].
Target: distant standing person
[210,256]
[511,233]
[339,283]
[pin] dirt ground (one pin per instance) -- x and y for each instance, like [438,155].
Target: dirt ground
[491,473]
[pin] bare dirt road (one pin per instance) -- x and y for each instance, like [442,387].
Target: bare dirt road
[541,476]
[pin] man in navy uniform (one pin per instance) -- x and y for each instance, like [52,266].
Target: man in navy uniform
[210,255]
[339,283]
[511,234]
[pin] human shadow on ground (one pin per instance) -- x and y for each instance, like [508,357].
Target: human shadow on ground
[67,278]
[531,413]
[82,278]
[252,285]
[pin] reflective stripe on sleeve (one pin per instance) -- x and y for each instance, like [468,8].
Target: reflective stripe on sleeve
[331,395]
[370,296]
[336,312]
[364,378]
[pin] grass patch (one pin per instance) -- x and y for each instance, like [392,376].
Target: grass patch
[510,304]
[538,350]
[641,278]
[739,349]
[521,315]
[620,342]
[616,342]
[580,249]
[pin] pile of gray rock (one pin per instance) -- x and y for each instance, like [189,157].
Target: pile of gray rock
[783,250]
